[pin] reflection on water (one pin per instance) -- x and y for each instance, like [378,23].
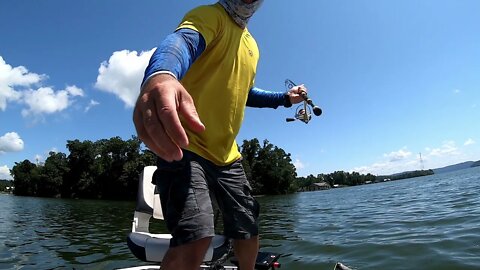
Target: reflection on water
[50,233]
[423,223]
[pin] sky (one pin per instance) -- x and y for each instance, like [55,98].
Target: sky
[396,80]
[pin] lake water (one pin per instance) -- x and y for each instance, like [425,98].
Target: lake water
[423,223]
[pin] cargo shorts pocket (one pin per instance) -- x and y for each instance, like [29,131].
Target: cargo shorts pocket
[176,195]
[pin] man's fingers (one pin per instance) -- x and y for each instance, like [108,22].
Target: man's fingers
[160,137]
[157,117]
[166,112]
[190,114]
[162,121]
[151,132]
[301,89]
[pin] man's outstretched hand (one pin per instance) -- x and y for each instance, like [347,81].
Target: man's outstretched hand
[161,103]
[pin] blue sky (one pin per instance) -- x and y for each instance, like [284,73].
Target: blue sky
[394,78]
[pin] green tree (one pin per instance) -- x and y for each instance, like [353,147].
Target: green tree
[80,181]
[110,160]
[24,174]
[271,169]
[120,164]
[107,168]
[137,159]
[5,185]
[52,174]
[249,152]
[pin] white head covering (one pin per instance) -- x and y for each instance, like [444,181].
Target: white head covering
[240,11]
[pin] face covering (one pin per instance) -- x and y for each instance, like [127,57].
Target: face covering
[240,11]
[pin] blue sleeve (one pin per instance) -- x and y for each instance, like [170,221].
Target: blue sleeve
[266,99]
[176,53]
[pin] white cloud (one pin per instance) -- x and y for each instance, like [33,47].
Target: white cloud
[448,148]
[11,142]
[387,167]
[46,101]
[38,159]
[379,168]
[17,85]
[374,168]
[403,160]
[5,173]
[470,141]
[74,91]
[19,76]
[7,94]
[398,155]
[92,104]
[456,91]
[122,74]
[12,77]
[298,164]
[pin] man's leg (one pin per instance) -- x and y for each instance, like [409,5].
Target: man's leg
[246,252]
[186,257]
[187,209]
[240,212]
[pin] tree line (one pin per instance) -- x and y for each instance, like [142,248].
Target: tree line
[405,175]
[341,178]
[337,179]
[105,169]
[109,169]
[5,185]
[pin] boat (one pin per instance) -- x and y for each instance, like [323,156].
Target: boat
[151,247]
[341,266]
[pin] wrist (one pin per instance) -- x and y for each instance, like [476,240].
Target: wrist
[162,73]
[287,102]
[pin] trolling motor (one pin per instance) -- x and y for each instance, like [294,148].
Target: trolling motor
[303,111]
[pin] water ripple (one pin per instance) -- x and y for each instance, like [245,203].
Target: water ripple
[422,223]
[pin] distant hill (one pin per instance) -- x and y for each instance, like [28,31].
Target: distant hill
[409,174]
[456,167]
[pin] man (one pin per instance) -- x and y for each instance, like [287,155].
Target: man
[190,109]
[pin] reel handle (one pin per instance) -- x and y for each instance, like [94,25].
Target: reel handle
[290,119]
[316,110]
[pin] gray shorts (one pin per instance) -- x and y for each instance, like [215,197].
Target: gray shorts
[187,189]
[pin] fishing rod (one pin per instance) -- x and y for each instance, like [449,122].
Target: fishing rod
[304,111]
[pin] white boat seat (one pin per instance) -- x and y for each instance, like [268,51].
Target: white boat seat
[151,247]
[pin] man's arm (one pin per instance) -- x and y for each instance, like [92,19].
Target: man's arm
[175,54]
[267,99]
[163,99]
[259,98]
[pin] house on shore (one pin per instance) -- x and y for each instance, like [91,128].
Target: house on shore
[317,186]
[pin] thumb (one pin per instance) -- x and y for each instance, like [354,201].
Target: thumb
[189,113]
[301,88]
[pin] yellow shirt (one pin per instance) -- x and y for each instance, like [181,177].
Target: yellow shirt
[219,82]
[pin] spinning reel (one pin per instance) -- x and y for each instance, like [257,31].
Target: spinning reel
[303,111]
